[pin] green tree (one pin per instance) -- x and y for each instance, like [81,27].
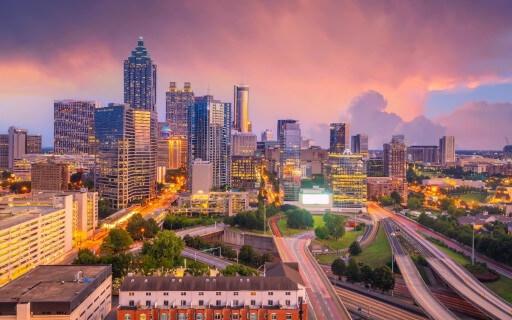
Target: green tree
[414,203]
[117,241]
[140,228]
[397,198]
[238,269]
[383,278]
[386,201]
[338,267]
[247,254]
[120,262]
[85,257]
[196,268]
[165,249]
[299,219]
[367,274]
[322,232]
[353,273]
[354,248]
[335,224]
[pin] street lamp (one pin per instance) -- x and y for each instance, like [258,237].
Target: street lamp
[473,245]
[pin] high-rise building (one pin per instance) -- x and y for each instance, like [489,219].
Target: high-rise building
[245,172]
[339,137]
[447,150]
[290,171]
[394,156]
[210,137]
[34,144]
[17,144]
[241,120]
[50,176]
[202,176]
[507,152]
[177,104]
[347,177]
[126,154]
[172,152]
[74,126]
[267,135]
[375,167]
[243,143]
[360,144]
[140,79]
[423,154]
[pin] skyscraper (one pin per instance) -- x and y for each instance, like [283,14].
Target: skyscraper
[177,103]
[267,135]
[243,143]
[360,144]
[17,144]
[126,154]
[140,79]
[241,120]
[347,177]
[424,154]
[290,173]
[339,137]
[209,126]
[447,150]
[394,156]
[74,126]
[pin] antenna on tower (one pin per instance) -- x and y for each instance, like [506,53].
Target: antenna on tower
[507,141]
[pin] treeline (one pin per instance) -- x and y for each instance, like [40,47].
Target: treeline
[172,222]
[380,278]
[497,245]
[252,220]
[297,218]
[333,228]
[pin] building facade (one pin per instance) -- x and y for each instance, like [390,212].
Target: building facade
[209,137]
[267,135]
[394,159]
[243,143]
[64,292]
[384,186]
[49,176]
[33,235]
[15,145]
[289,166]
[423,154]
[177,104]
[140,79]
[202,176]
[339,138]
[241,120]
[347,177]
[447,150]
[73,126]
[360,144]
[246,172]
[126,154]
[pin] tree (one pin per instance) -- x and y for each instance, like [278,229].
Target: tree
[322,232]
[140,228]
[338,267]
[117,241]
[386,201]
[367,274]
[238,269]
[165,249]
[397,198]
[85,257]
[353,273]
[335,224]
[355,248]
[120,263]
[197,269]
[383,278]
[247,254]
[299,219]
[414,203]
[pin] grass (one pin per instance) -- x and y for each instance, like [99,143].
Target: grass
[288,231]
[326,259]
[502,287]
[378,253]
[473,196]
[318,221]
[342,243]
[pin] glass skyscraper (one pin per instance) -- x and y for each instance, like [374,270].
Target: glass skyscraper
[73,126]
[347,177]
[209,137]
[289,142]
[241,120]
[339,139]
[177,103]
[140,79]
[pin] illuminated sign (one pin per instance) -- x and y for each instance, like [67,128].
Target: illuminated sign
[315,199]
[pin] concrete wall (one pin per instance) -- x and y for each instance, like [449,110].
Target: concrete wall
[258,242]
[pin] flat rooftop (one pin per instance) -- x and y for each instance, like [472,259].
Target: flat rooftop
[52,288]
[11,216]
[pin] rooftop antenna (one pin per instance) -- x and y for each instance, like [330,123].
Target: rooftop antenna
[507,141]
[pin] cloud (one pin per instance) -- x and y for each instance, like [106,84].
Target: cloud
[480,125]
[368,114]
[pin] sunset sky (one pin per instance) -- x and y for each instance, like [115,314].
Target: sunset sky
[422,68]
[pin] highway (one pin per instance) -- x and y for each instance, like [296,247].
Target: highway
[323,299]
[417,287]
[372,308]
[205,258]
[456,276]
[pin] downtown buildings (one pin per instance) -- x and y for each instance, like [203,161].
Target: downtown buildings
[290,139]
[15,145]
[339,138]
[447,150]
[241,122]
[74,126]
[395,163]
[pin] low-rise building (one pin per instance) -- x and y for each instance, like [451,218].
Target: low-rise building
[224,203]
[384,186]
[58,292]
[245,172]
[50,176]
[280,295]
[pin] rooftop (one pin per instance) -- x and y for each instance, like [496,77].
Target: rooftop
[52,288]
[11,216]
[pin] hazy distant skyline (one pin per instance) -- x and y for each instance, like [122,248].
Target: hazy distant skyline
[419,68]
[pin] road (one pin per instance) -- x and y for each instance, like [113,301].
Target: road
[372,308]
[417,287]
[205,258]
[456,276]
[201,231]
[323,299]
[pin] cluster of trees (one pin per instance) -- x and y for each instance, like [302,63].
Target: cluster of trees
[392,200]
[238,269]
[355,248]
[250,257]
[200,244]
[413,177]
[333,228]
[297,218]
[172,222]
[415,200]
[140,228]
[162,253]
[496,244]
[458,173]
[252,220]
[380,278]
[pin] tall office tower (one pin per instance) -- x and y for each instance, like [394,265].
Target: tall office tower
[17,145]
[172,152]
[177,103]
[280,128]
[201,176]
[507,152]
[423,154]
[290,172]
[126,154]
[394,156]
[347,177]
[241,120]
[73,126]
[140,79]
[267,135]
[339,137]
[375,167]
[209,138]
[34,144]
[447,150]
[4,151]
[360,144]
[398,138]
[243,143]
[245,172]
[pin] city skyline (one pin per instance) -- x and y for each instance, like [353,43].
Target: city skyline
[421,87]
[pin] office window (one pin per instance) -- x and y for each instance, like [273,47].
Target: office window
[217,293]
[201,293]
[235,293]
[218,303]
[201,302]
[270,303]
[287,293]
[166,293]
[217,316]
[253,302]
[131,294]
[235,303]
[183,302]
[270,293]
[131,303]
[148,293]
[166,303]
[127,317]
[199,316]
[183,293]
[235,317]
[148,303]
[253,316]
[288,316]
[287,302]
[273,316]
[182,316]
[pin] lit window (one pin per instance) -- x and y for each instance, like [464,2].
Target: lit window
[127,317]
[142,317]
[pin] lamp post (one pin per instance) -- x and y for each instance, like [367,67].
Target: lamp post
[473,245]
